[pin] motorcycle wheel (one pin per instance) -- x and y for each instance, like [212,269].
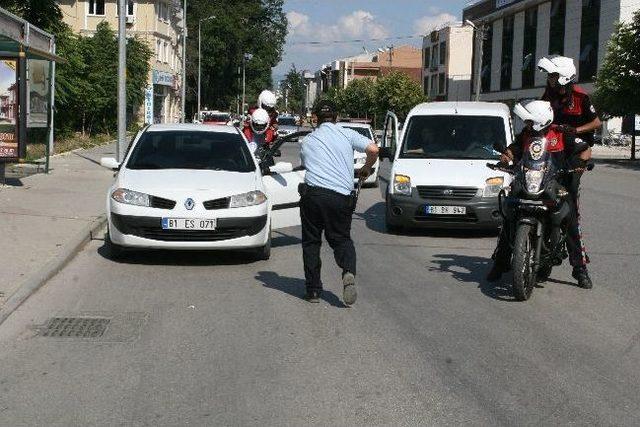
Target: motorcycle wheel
[544,272]
[522,263]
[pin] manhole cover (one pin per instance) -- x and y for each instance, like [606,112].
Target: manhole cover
[75,327]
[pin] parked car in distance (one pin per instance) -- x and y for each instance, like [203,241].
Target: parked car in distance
[214,117]
[438,174]
[189,186]
[364,129]
[287,125]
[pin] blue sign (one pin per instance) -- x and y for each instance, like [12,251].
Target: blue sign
[162,78]
[148,105]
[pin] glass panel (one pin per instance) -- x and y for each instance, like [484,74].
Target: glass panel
[487,52]
[589,40]
[507,53]
[529,46]
[556,27]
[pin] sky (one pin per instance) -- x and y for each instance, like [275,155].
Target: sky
[328,20]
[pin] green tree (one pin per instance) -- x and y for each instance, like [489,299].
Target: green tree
[397,92]
[258,27]
[293,87]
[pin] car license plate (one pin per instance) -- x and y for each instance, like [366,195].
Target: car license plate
[188,224]
[445,210]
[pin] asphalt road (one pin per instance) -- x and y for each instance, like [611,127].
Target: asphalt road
[214,339]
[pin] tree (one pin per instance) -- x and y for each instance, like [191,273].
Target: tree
[258,27]
[293,88]
[397,92]
[617,86]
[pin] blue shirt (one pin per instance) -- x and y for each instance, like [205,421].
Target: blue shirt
[327,154]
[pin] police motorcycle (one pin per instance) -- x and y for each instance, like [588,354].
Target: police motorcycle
[538,208]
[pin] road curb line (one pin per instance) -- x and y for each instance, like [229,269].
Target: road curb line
[35,281]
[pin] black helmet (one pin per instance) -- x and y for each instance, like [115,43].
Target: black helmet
[326,110]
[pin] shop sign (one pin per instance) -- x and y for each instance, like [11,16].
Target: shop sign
[162,78]
[148,105]
[38,90]
[8,109]
[637,121]
[503,3]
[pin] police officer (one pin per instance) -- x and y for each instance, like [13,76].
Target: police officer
[575,115]
[327,199]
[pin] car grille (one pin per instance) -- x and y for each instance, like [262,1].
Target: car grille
[420,215]
[217,203]
[446,193]
[160,203]
[151,228]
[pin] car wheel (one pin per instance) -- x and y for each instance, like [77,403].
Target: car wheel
[113,251]
[263,253]
[391,228]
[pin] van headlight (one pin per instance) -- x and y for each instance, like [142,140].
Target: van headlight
[251,198]
[130,197]
[533,179]
[402,184]
[493,186]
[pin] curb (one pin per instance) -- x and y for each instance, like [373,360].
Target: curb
[52,267]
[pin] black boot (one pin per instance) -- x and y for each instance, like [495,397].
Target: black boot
[496,272]
[581,274]
[313,296]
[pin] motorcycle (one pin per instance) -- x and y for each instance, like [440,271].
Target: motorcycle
[536,209]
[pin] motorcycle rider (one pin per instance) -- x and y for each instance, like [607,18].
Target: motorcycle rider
[566,149]
[267,101]
[257,131]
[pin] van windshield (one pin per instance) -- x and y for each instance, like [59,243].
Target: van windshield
[454,137]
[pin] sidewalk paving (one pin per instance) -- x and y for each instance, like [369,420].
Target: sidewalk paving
[613,153]
[41,215]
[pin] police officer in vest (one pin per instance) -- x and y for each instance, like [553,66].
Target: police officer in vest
[327,199]
[576,116]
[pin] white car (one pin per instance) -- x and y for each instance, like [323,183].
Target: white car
[359,159]
[189,186]
[439,176]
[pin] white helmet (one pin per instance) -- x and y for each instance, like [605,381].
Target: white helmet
[267,99]
[559,64]
[538,112]
[260,120]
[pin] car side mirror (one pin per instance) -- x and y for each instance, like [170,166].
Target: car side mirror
[109,163]
[281,167]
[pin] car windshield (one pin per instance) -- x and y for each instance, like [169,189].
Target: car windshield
[362,131]
[287,121]
[453,137]
[191,150]
[215,117]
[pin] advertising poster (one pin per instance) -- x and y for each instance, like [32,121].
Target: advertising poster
[38,98]
[148,105]
[8,109]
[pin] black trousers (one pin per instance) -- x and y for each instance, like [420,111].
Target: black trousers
[575,244]
[331,212]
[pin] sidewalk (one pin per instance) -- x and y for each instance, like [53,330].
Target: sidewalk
[613,153]
[42,215]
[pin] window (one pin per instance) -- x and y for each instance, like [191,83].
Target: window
[163,11]
[434,85]
[441,84]
[507,53]
[129,8]
[556,27]
[427,56]
[425,84]
[487,53]
[529,47]
[158,50]
[96,7]
[589,40]
[434,56]
[453,137]
[165,57]
[443,52]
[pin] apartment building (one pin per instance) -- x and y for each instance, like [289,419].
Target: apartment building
[446,63]
[160,24]
[517,33]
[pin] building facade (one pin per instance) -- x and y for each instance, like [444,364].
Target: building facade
[160,24]
[517,33]
[446,63]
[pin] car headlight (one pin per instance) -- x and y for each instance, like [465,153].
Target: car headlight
[493,186]
[130,197]
[360,161]
[251,198]
[402,184]
[533,179]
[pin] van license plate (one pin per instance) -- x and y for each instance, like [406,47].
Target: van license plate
[188,224]
[445,210]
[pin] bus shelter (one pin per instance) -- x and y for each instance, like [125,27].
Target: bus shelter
[27,82]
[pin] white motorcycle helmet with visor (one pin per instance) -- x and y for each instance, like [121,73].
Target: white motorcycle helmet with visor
[560,65]
[267,100]
[538,113]
[260,121]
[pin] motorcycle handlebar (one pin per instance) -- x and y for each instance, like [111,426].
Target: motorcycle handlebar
[500,167]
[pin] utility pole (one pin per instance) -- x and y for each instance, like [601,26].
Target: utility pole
[122,80]
[479,33]
[200,58]
[184,59]
[246,57]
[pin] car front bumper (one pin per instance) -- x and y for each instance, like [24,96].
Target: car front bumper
[409,211]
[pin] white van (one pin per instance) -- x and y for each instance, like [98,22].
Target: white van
[439,177]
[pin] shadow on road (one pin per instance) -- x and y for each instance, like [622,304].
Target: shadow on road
[294,286]
[619,163]
[374,220]
[472,269]
[280,239]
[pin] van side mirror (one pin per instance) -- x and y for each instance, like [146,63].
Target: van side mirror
[385,153]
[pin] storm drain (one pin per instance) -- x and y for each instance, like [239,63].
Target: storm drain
[103,327]
[75,327]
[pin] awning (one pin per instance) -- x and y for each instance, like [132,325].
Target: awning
[18,35]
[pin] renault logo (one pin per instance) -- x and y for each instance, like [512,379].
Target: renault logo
[189,204]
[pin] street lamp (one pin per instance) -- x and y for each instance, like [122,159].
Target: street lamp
[246,57]
[200,57]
